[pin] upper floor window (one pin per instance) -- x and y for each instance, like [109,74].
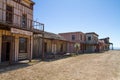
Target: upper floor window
[89,38]
[80,37]
[9,14]
[73,37]
[24,20]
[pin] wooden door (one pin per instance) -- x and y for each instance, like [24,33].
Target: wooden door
[7,48]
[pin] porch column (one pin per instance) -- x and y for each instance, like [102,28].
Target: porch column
[31,52]
[16,48]
[0,47]
[29,49]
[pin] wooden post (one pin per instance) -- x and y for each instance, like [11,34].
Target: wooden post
[30,53]
[16,48]
[0,47]
[11,50]
[43,43]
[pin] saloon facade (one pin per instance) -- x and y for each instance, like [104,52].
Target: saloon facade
[16,30]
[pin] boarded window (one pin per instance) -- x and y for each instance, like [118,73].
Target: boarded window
[23,45]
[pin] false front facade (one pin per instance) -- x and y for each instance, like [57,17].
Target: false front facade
[16,30]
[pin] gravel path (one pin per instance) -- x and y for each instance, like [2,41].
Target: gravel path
[99,66]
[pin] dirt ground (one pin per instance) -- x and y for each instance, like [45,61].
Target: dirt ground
[96,66]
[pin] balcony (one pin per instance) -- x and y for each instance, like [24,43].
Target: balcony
[35,27]
[92,42]
[38,27]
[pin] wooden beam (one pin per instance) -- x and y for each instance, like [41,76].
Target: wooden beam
[0,46]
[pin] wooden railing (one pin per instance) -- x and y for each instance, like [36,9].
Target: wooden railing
[34,25]
[38,26]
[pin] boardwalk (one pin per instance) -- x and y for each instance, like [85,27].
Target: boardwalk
[101,66]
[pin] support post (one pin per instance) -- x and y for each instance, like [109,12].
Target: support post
[43,54]
[11,50]
[0,47]
[30,53]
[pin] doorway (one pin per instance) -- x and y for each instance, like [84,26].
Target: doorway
[5,51]
[45,47]
[7,48]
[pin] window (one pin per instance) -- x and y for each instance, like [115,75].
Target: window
[24,20]
[80,37]
[23,45]
[73,37]
[9,14]
[89,38]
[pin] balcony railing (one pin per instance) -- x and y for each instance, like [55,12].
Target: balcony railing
[37,26]
[17,22]
[91,42]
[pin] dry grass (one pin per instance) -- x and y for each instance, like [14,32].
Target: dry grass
[101,66]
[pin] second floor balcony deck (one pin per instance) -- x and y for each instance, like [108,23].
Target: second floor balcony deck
[33,26]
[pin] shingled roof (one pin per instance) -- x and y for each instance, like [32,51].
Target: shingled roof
[53,36]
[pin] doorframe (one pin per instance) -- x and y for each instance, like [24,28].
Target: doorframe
[11,39]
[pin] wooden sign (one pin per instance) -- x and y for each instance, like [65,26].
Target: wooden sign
[19,31]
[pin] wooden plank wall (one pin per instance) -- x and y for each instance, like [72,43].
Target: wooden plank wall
[19,10]
[37,47]
[17,55]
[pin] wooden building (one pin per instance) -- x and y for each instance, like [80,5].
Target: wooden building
[91,42]
[107,43]
[16,30]
[53,44]
[75,37]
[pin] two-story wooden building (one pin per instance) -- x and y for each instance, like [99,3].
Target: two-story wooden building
[16,30]
[107,43]
[76,37]
[91,42]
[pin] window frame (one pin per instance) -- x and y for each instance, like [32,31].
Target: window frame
[9,14]
[25,44]
[73,37]
[89,38]
[24,21]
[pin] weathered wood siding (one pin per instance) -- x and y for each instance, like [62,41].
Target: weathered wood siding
[37,46]
[19,10]
[16,55]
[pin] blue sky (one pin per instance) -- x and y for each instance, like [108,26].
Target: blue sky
[100,16]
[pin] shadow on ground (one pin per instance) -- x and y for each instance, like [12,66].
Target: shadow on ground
[5,67]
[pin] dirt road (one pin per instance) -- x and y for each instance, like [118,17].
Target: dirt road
[99,66]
